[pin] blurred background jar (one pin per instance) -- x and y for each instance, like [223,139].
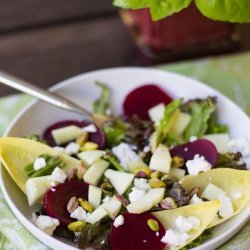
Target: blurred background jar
[186,34]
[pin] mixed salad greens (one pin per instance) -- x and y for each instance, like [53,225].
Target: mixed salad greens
[157,177]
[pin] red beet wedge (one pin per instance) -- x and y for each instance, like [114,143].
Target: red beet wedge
[135,234]
[57,198]
[97,137]
[141,99]
[201,146]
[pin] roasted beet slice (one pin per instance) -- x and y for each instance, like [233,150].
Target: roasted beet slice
[141,99]
[135,234]
[57,198]
[201,146]
[97,137]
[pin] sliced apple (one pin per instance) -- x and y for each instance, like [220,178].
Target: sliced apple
[153,197]
[95,172]
[16,153]
[177,172]
[180,124]
[209,209]
[90,156]
[120,180]
[156,112]
[212,192]
[220,141]
[135,164]
[161,159]
[97,215]
[66,134]
[94,196]
[139,206]
[113,207]
[36,188]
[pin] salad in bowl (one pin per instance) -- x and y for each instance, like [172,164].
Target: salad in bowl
[162,174]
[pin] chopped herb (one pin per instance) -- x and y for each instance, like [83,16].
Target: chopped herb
[114,162]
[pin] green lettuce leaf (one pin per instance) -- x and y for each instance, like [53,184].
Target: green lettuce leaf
[215,128]
[200,111]
[101,105]
[166,122]
[236,11]
[230,160]
[163,8]
[131,4]
[114,131]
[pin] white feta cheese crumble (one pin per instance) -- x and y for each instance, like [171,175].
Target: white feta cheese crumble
[197,165]
[241,145]
[236,196]
[39,163]
[79,214]
[195,200]
[146,149]
[184,224]
[136,194]
[106,199]
[193,138]
[90,128]
[174,238]
[125,154]
[119,221]
[226,208]
[59,149]
[47,224]
[58,175]
[72,148]
[142,184]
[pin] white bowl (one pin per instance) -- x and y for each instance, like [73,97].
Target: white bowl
[81,89]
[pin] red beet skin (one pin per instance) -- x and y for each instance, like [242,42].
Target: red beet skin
[135,234]
[201,146]
[57,198]
[141,99]
[97,137]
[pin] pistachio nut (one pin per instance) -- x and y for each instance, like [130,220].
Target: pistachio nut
[156,183]
[77,226]
[85,205]
[153,225]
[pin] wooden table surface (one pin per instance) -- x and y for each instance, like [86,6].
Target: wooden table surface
[46,41]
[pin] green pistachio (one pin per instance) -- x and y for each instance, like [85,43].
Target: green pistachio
[156,183]
[77,226]
[85,205]
[153,225]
